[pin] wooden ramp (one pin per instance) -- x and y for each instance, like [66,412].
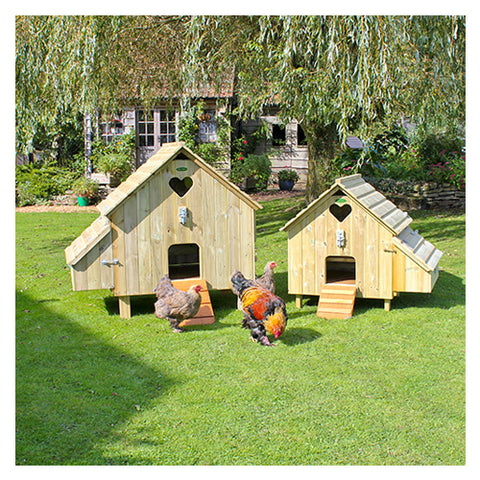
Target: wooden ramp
[336,301]
[205,314]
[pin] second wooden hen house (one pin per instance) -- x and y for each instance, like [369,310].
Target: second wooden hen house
[353,235]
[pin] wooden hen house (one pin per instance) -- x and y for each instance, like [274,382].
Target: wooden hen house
[174,215]
[353,242]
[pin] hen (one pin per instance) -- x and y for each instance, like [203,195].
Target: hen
[175,305]
[266,280]
[263,311]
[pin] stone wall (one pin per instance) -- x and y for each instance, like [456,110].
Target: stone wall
[420,196]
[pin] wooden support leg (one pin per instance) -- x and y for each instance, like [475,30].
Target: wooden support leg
[388,304]
[298,301]
[124,306]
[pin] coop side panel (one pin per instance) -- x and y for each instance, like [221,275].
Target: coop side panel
[295,260]
[89,273]
[234,247]
[158,248]
[118,242]
[309,281]
[369,277]
[408,276]
[220,228]
[209,247]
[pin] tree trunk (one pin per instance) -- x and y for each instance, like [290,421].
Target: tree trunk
[321,152]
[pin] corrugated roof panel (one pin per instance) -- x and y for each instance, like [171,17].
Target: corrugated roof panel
[372,199]
[418,247]
[360,190]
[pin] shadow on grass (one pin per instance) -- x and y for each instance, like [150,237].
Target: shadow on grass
[72,388]
[448,292]
[299,335]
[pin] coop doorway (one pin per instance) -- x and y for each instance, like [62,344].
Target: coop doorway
[183,261]
[341,270]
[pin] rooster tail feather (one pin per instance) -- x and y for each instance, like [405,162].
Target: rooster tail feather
[240,283]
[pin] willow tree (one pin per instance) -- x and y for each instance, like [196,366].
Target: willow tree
[337,74]
[67,65]
[334,75]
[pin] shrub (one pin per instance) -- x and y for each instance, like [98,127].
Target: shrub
[118,165]
[85,187]
[210,152]
[117,157]
[257,167]
[287,175]
[36,183]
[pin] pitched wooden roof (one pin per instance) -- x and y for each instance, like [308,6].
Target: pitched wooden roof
[88,239]
[166,153]
[388,214]
[355,187]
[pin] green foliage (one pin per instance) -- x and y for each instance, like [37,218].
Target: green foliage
[434,157]
[287,175]
[377,389]
[85,187]
[188,126]
[254,167]
[212,153]
[38,183]
[117,157]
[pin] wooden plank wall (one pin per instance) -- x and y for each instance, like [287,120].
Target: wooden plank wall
[313,238]
[410,277]
[147,224]
[89,273]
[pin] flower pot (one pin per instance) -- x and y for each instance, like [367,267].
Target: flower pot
[286,184]
[114,180]
[83,201]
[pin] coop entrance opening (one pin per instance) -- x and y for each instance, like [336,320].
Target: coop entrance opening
[340,270]
[183,261]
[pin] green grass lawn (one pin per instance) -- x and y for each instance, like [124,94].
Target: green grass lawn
[378,389]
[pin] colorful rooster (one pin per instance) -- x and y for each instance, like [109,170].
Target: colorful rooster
[264,311]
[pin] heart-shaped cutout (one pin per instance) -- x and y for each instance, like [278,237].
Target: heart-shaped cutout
[340,212]
[181,187]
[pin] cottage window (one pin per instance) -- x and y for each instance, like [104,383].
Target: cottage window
[110,129]
[207,127]
[167,127]
[301,140]
[145,128]
[278,135]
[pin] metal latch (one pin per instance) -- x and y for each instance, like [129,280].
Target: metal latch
[115,261]
[182,215]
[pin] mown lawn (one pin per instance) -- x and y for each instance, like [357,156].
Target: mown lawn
[378,389]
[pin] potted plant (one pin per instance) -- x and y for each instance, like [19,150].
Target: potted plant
[116,165]
[85,189]
[287,179]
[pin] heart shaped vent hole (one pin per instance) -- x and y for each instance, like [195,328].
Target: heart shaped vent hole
[340,212]
[181,187]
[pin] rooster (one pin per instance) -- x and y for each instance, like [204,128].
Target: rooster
[175,305]
[266,280]
[263,311]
